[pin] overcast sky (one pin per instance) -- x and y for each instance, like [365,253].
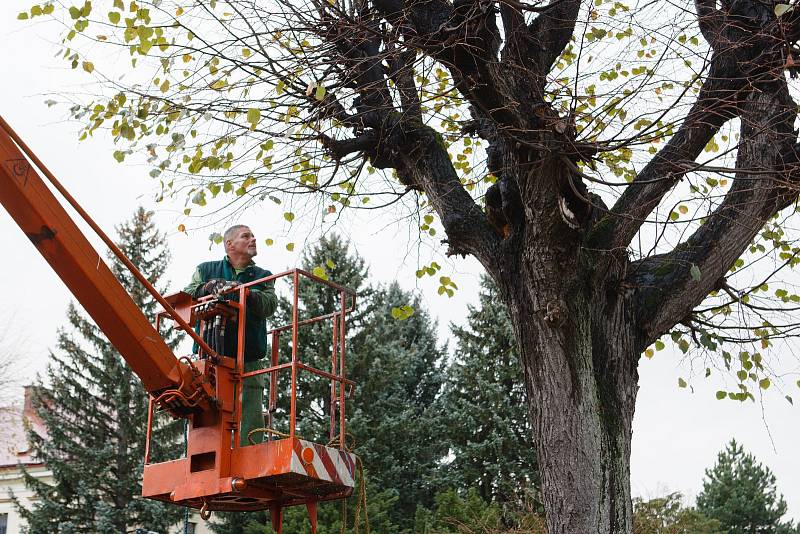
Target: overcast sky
[677,432]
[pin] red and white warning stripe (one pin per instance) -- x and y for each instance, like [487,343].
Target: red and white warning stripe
[324,463]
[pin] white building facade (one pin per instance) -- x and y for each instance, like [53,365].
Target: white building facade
[15,453]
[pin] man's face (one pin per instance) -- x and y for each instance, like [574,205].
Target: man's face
[243,243]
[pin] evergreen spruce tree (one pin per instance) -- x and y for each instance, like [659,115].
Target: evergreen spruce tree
[741,494]
[331,259]
[483,409]
[95,413]
[399,368]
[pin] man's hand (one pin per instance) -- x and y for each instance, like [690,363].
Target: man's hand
[216,286]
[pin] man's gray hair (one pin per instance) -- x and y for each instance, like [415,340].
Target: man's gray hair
[230,233]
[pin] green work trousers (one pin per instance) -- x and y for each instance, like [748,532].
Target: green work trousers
[252,405]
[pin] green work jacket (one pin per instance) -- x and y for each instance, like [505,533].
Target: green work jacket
[261,304]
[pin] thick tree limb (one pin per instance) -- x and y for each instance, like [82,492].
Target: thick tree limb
[552,30]
[424,158]
[366,142]
[744,56]
[465,38]
[514,28]
[747,56]
[390,138]
[672,285]
[401,73]
[358,48]
[710,20]
[715,105]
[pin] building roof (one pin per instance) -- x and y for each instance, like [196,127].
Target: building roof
[15,420]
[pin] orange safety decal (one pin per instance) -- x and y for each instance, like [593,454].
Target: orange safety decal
[323,463]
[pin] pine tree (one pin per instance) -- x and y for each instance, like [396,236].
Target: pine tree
[399,368]
[483,409]
[332,259]
[741,494]
[95,413]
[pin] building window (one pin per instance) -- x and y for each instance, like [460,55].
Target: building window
[3,523]
[188,530]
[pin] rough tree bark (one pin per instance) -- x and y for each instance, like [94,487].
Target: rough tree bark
[582,311]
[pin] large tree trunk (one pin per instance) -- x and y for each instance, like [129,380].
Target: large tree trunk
[579,353]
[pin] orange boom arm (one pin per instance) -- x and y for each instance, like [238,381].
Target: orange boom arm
[38,213]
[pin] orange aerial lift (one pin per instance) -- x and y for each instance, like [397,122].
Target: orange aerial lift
[216,472]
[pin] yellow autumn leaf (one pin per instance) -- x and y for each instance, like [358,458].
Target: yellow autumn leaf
[219,85]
